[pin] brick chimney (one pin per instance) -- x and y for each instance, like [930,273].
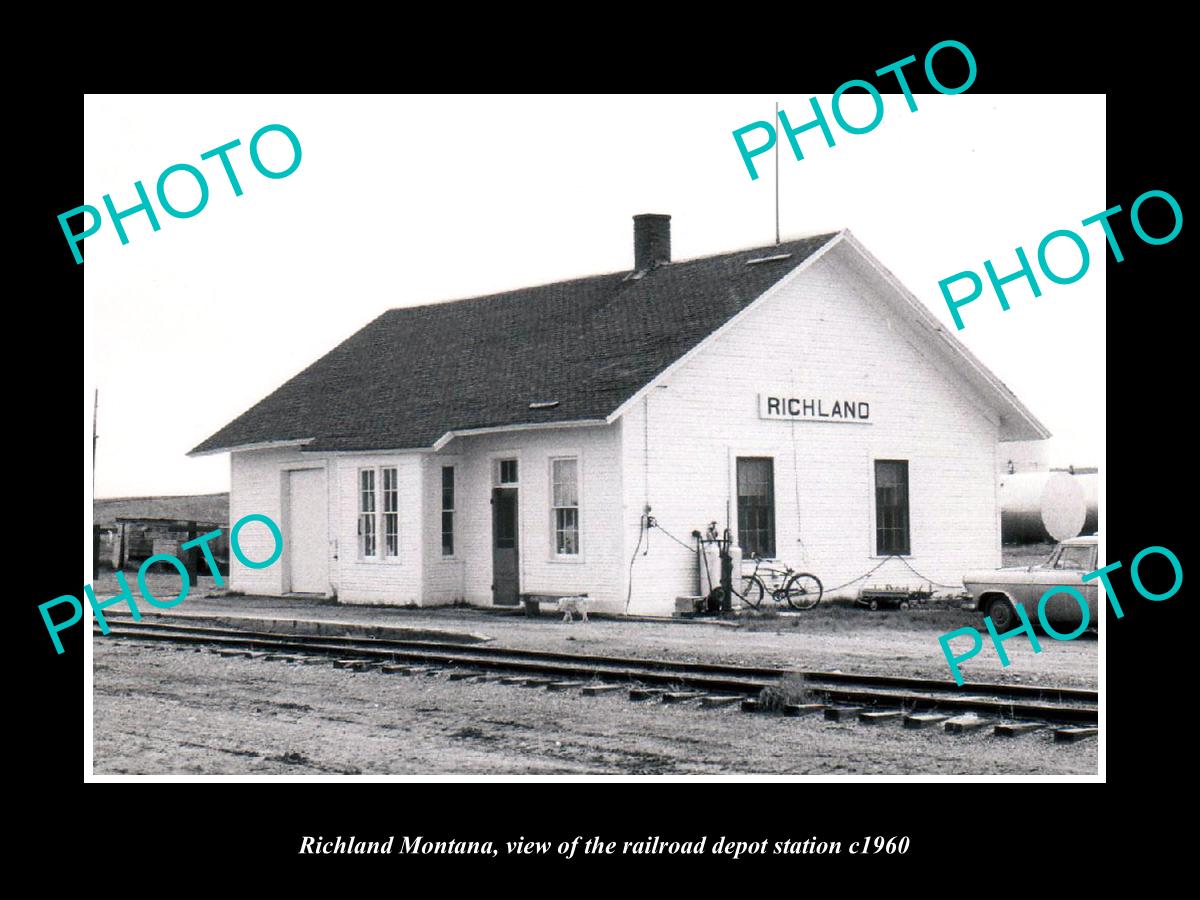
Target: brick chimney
[651,241]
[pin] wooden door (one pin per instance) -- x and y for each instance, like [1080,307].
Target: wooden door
[506,586]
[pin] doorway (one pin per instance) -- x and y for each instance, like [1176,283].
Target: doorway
[307,532]
[506,586]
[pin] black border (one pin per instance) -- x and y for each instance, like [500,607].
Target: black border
[1138,64]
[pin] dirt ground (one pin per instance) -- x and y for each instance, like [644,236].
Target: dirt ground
[159,709]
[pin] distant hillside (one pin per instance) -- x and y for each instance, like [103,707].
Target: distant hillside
[194,507]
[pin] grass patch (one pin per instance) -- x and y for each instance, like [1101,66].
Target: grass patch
[791,689]
[768,612]
[291,758]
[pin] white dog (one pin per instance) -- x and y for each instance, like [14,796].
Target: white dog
[572,605]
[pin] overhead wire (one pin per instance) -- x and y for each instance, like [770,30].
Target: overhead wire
[925,577]
[688,547]
[884,562]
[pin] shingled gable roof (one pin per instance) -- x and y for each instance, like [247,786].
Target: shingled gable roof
[416,373]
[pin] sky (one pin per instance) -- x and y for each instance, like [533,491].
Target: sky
[402,200]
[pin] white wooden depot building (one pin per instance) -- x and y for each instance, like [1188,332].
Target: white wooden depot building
[481,449]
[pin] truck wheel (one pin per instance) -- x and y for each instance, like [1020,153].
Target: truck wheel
[1002,614]
[874,604]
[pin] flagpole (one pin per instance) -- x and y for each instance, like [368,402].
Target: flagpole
[776,119]
[95,407]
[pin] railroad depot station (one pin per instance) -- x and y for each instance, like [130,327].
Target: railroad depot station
[522,443]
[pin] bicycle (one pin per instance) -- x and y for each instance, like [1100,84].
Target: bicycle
[800,590]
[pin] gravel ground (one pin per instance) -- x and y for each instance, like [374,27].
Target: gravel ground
[160,710]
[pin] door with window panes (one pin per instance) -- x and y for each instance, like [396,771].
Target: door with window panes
[506,582]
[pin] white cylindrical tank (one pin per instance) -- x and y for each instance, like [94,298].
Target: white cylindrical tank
[1041,506]
[710,567]
[1091,495]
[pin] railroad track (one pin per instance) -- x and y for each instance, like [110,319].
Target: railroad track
[722,684]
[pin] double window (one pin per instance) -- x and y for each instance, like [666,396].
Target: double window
[564,505]
[378,513]
[756,505]
[891,507]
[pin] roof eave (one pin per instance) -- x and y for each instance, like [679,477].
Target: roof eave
[1026,425]
[519,426]
[260,445]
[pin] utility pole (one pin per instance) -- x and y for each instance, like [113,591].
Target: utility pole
[95,409]
[95,527]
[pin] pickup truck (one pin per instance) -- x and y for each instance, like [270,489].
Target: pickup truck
[997,591]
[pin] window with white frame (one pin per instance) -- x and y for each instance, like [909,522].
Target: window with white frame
[377,518]
[506,471]
[564,479]
[391,514]
[366,513]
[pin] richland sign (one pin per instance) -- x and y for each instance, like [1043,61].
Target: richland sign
[779,405]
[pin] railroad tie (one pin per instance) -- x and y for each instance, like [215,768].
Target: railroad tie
[1015,729]
[750,705]
[645,693]
[965,724]
[561,685]
[461,675]
[872,717]
[714,701]
[838,713]
[593,690]
[536,682]
[679,696]
[803,709]
[797,709]
[397,669]
[1070,735]
[924,720]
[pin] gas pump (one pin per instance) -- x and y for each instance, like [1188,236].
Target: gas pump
[720,598]
[726,573]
